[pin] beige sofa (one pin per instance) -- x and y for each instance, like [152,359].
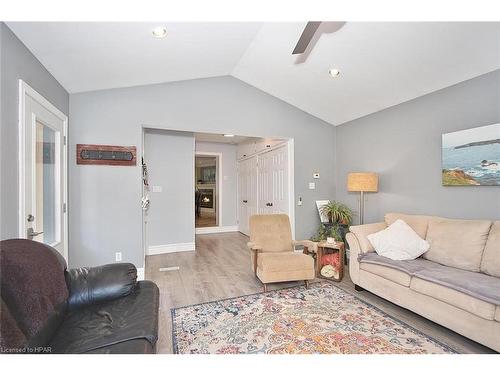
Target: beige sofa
[456,283]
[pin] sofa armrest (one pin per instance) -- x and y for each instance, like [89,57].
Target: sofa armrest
[93,285]
[354,251]
[362,231]
[311,246]
[254,251]
[254,247]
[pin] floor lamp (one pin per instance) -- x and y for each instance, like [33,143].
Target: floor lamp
[362,182]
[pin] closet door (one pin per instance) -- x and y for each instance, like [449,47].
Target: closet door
[279,180]
[247,193]
[264,181]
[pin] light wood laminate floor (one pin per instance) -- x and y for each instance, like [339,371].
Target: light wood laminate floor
[220,268]
[206,219]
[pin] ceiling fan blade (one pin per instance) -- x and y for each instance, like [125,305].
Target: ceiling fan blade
[306,37]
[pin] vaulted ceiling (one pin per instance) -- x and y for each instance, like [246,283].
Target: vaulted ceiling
[381,64]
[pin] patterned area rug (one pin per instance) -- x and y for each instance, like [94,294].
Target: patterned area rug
[321,319]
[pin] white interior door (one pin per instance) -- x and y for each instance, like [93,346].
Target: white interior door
[43,171]
[279,185]
[247,193]
[264,184]
[273,182]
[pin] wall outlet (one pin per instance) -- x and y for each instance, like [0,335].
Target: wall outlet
[316,175]
[312,185]
[118,257]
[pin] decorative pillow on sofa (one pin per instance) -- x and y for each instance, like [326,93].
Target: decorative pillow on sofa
[399,242]
[418,223]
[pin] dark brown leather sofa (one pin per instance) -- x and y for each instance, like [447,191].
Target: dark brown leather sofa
[46,308]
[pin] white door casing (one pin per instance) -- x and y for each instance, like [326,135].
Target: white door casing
[42,171]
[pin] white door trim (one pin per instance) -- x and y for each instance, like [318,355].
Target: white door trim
[26,90]
[291,184]
[219,182]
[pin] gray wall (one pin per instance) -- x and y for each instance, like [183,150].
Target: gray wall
[229,184]
[17,62]
[105,210]
[403,144]
[170,160]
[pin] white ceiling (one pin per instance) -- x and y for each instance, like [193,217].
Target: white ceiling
[382,64]
[86,56]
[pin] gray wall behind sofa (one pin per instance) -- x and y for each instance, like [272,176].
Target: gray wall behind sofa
[105,206]
[403,145]
[17,62]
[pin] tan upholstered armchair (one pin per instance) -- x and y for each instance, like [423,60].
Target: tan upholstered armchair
[272,251]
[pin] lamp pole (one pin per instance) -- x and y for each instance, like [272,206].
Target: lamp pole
[361,207]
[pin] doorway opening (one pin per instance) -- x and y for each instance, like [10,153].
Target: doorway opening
[207,190]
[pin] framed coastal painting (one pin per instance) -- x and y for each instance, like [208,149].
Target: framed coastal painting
[472,157]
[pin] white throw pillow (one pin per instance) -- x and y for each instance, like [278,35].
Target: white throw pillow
[398,241]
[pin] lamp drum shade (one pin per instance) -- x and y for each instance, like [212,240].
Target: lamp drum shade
[362,181]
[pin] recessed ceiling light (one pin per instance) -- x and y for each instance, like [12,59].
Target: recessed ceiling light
[334,72]
[160,32]
[228,135]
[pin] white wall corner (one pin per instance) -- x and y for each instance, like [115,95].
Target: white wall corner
[171,248]
[221,229]
[140,274]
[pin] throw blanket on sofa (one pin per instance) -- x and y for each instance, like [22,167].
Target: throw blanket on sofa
[475,284]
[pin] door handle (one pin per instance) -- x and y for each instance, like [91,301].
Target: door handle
[30,233]
[269,204]
[245,201]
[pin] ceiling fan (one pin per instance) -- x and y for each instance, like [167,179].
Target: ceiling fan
[310,31]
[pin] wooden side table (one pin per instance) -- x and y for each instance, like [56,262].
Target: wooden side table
[325,248]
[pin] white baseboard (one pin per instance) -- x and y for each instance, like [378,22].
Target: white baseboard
[140,274]
[207,230]
[171,248]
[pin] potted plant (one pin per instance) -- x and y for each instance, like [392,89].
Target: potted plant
[326,231]
[337,213]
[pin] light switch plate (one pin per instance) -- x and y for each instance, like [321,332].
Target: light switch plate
[312,185]
[157,189]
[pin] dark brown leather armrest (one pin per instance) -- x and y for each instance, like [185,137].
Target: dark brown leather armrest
[93,285]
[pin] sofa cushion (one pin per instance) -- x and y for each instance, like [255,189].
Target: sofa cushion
[392,274]
[461,300]
[418,223]
[407,266]
[457,243]
[398,241]
[98,326]
[490,263]
[477,285]
[289,261]
[362,231]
